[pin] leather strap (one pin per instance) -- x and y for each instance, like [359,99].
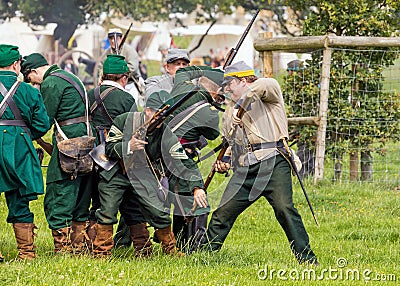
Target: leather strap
[71,81]
[73,121]
[12,122]
[14,109]
[183,116]
[82,93]
[99,103]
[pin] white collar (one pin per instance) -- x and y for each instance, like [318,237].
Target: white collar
[113,83]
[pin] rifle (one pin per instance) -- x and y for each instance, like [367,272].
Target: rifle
[125,36]
[225,144]
[158,118]
[45,145]
[163,114]
[233,51]
[228,61]
[231,55]
[116,44]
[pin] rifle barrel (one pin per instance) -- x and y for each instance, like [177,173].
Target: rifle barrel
[125,36]
[234,51]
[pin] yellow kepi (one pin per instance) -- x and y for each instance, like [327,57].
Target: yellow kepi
[239,69]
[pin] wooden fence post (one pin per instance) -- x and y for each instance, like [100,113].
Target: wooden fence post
[266,57]
[323,114]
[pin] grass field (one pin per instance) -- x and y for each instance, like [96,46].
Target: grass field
[358,240]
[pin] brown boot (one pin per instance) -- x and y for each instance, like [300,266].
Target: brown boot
[24,235]
[62,242]
[104,240]
[141,240]
[168,241]
[79,237]
[91,233]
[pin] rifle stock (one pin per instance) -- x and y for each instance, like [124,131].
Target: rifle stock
[162,115]
[221,154]
[45,145]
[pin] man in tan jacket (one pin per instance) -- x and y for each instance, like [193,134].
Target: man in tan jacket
[260,170]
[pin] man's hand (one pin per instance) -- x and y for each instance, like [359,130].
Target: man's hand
[235,119]
[221,167]
[136,144]
[200,197]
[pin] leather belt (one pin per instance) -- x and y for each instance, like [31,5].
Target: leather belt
[266,145]
[12,122]
[73,121]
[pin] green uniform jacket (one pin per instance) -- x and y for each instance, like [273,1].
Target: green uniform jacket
[62,102]
[161,140]
[19,164]
[157,83]
[205,121]
[117,102]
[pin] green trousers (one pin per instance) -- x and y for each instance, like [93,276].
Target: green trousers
[137,203]
[274,175]
[68,200]
[18,207]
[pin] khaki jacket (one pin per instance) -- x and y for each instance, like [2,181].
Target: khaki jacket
[264,120]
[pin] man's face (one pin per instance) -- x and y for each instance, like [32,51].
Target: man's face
[172,68]
[236,87]
[35,77]
[112,40]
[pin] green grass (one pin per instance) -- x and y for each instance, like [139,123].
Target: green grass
[358,223]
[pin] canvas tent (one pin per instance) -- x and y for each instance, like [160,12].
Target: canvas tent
[148,36]
[15,32]
[223,37]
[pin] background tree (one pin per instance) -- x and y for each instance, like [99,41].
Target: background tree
[69,14]
[361,116]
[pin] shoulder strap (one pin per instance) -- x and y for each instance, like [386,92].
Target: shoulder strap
[82,94]
[7,94]
[8,98]
[99,102]
[184,116]
[3,90]
[71,81]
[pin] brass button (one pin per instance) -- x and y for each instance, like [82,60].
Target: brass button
[5,131]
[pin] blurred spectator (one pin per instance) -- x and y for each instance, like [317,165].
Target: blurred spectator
[69,66]
[163,49]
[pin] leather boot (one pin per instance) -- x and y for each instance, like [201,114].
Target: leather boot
[1,257]
[91,233]
[24,235]
[79,237]
[62,242]
[168,241]
[140,237]
[103,242]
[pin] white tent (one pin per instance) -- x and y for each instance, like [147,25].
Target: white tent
[15,32]
[160,36]
[148,36]
[220,37]
[88,39]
